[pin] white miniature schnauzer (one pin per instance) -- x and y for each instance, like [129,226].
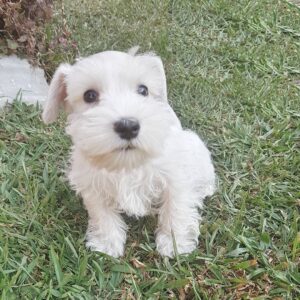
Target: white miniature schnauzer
[130,154]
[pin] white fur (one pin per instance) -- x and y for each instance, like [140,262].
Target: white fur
[169,170]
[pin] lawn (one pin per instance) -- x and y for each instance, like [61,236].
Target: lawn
[233,69]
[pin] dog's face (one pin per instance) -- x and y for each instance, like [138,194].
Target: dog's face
[117,104]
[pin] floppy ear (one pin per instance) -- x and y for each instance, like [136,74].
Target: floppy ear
[160,68]
[133,50]
[56,94]
[156,65]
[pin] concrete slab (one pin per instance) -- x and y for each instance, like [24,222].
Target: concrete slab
[18,76]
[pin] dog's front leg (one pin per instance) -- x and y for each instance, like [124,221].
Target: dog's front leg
[106,229]
[178,224]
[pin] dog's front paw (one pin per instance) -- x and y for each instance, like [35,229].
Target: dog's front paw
[166,247]
[105,244]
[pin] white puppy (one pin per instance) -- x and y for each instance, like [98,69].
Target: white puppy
[130,154]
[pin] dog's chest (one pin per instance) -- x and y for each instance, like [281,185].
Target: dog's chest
[136,192]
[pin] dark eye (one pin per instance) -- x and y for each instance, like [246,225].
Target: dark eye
[91,96]
[142,90]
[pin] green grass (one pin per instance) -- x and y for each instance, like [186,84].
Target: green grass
[233,71]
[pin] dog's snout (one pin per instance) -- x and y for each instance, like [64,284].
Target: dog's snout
[127,128]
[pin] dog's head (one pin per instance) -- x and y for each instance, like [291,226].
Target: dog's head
[117,105]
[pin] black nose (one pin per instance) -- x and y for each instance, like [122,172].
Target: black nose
[127,128]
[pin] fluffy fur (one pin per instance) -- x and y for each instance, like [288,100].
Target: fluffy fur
[164,170]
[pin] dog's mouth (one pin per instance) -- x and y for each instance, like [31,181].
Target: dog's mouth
[127,147]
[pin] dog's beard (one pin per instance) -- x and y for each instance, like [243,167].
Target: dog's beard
[92,132]
[119,159]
